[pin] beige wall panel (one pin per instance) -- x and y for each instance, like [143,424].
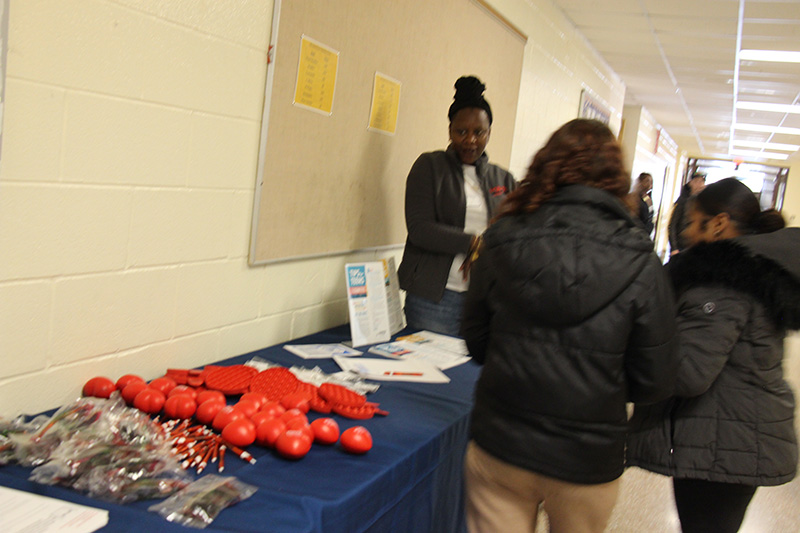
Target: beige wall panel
[100,314]
[33,125]
[62,229]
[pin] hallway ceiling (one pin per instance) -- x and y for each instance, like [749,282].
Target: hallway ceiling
[682,61]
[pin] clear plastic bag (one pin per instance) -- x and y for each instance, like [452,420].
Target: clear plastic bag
[108,450]
[200,503]
[35,447]
[115,472]
[16,434]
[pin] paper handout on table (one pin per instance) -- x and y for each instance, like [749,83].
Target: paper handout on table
[320,351]
[442,353]
[393,370]
[24,511]
[444,342]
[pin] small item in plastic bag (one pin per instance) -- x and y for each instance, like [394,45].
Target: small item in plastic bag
[201,502]
[14,431]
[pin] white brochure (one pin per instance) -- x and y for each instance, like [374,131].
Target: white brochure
[367,303]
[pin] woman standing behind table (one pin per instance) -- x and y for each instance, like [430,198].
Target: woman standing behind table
[450,197]
[571,314]
[730,427]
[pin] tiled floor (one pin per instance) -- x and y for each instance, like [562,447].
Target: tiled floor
[646,504]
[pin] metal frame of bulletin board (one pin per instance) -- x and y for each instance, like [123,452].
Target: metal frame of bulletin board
[355,92]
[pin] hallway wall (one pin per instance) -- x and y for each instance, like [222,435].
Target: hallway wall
[130,144]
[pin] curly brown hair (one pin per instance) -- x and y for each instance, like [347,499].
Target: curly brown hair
[582,151]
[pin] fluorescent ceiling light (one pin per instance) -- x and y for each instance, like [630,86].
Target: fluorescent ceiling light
[777,108]
[759,155]
[769,55]
[767,129]
[768,146]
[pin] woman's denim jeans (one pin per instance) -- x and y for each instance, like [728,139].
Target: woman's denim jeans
[443,317]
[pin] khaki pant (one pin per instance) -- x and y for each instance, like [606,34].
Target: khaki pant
[502,497]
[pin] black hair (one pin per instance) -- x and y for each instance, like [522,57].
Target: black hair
[686,190]
[469,93]
[733,197]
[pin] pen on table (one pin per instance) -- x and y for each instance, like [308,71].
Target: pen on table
[402,373]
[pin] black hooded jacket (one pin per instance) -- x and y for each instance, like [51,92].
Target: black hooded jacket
[732,419]
[571,313]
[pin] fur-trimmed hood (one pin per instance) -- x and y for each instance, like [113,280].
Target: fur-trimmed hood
[765,266]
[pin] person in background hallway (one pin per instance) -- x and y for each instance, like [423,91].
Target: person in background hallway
[571,314]
[644,202]
[450,197]
[729,428]
[678,221]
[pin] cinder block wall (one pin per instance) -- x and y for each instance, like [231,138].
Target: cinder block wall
[130,145]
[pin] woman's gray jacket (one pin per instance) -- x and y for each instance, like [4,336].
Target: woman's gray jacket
[732,417]
[435,207]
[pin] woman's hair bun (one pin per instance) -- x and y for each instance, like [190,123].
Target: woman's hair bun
[469,93]
[469,88]
[769,221]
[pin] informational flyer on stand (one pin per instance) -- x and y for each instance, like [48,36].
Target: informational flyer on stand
[366,300]
[397,319]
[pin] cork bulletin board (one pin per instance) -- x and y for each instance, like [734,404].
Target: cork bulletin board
[328,180]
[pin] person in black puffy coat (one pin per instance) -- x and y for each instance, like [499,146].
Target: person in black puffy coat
[571,314]
[730,426]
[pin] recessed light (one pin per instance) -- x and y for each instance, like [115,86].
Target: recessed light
[776,108]
[768,146]
[779,56]
[760,155]
[767,129]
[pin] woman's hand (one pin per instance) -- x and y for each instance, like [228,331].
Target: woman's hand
[474,251]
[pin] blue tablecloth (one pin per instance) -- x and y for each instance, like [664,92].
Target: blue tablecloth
[411,480]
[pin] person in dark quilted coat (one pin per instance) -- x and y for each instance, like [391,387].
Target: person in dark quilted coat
[730,426]
[571,314]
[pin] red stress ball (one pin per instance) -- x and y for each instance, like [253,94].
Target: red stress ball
[149,401]
[299,424]
[268,431]
[163,384]
[273,408]
[248,407]
[185,390]
[259,398]
[180,406]
[293,444]
[99,387]
[225,416]
[326,430]
[259,417]
[240,432]
[132,389]
[291,414]
[127,378]
[206,395]
[356,440]
[207,410]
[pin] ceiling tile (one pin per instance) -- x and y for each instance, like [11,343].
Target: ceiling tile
[650,43]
